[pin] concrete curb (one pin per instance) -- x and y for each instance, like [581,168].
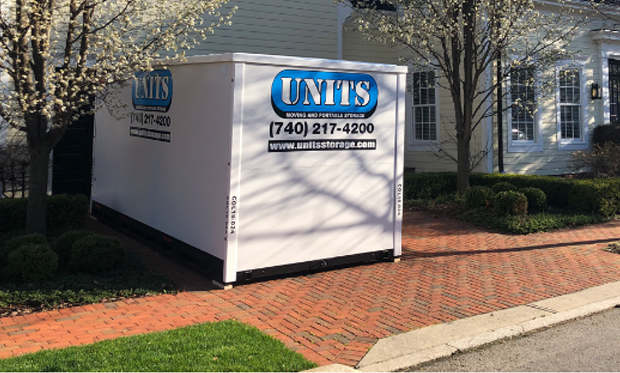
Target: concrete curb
[438,341]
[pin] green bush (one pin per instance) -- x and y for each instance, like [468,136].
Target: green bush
[478,196]
[64,245]
[606,133]
[16,242]
[67,211]
[509,203]
[32,263]
[428,185]
[598,196]
[12,214]
[525,224]
[557,189]
[96,253]
[63,212]
[503,186]
[536,198]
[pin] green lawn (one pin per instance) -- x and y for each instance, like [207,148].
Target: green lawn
[223,346]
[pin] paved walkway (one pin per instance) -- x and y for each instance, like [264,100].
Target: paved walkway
[450,270]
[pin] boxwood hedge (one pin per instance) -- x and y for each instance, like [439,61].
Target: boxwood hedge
[63,212]
[598,196]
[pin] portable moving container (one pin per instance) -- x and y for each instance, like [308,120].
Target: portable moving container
[256,164]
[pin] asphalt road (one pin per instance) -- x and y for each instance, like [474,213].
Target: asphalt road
[587,345]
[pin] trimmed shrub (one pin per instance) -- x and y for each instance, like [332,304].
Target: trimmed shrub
[503,187]
[63,212]
[428,185]
[557,189]
[536,198]
[67,211]
[96,253]
[17,242]
[478,196]
[12,214]
[32,263]
[510,203]
[64,245]
[598,196]
[606,133]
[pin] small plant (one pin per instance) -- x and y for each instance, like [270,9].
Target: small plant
[613,248]
[96,253]
[17,242]
[64,245]
[503,187]
[536,199]
[478,196]
[32,263]
[510,203]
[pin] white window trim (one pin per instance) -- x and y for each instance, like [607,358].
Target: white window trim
[525,146]
[424,145]
[608,51]
[572,144]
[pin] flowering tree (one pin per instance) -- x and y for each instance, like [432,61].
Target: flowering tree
[59,55]
[462,42]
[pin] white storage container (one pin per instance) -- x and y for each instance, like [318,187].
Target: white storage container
[257,164]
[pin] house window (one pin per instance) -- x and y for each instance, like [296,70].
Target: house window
[572,131]
[424,107]
[523,121]
[570,104]
[523,104]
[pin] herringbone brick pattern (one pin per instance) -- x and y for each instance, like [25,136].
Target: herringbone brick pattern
[449,270]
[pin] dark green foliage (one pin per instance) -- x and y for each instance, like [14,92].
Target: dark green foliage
[536,199]
[63,212]
[426,185]
[503,186]
[67,212]
[16,242]
[598,196]
[557,189]
[478,196]
[526,224]
[131,279]
[12,214]
[509,203]
[96,253]
[64,245]
[31,263]
[606,133]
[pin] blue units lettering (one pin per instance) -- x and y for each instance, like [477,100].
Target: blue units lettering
[321,94]
[152,91]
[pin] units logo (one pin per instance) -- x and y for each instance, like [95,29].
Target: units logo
[152,91]
[321,94]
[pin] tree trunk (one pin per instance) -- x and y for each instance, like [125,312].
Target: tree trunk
[462,172]
[37,192]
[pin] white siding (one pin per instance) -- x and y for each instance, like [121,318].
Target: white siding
[552,160]
[303,28]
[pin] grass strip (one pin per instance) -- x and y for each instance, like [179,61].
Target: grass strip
[221,347]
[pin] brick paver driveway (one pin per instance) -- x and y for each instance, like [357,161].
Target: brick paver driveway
[449,270]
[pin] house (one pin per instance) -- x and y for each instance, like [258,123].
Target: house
[541,144]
